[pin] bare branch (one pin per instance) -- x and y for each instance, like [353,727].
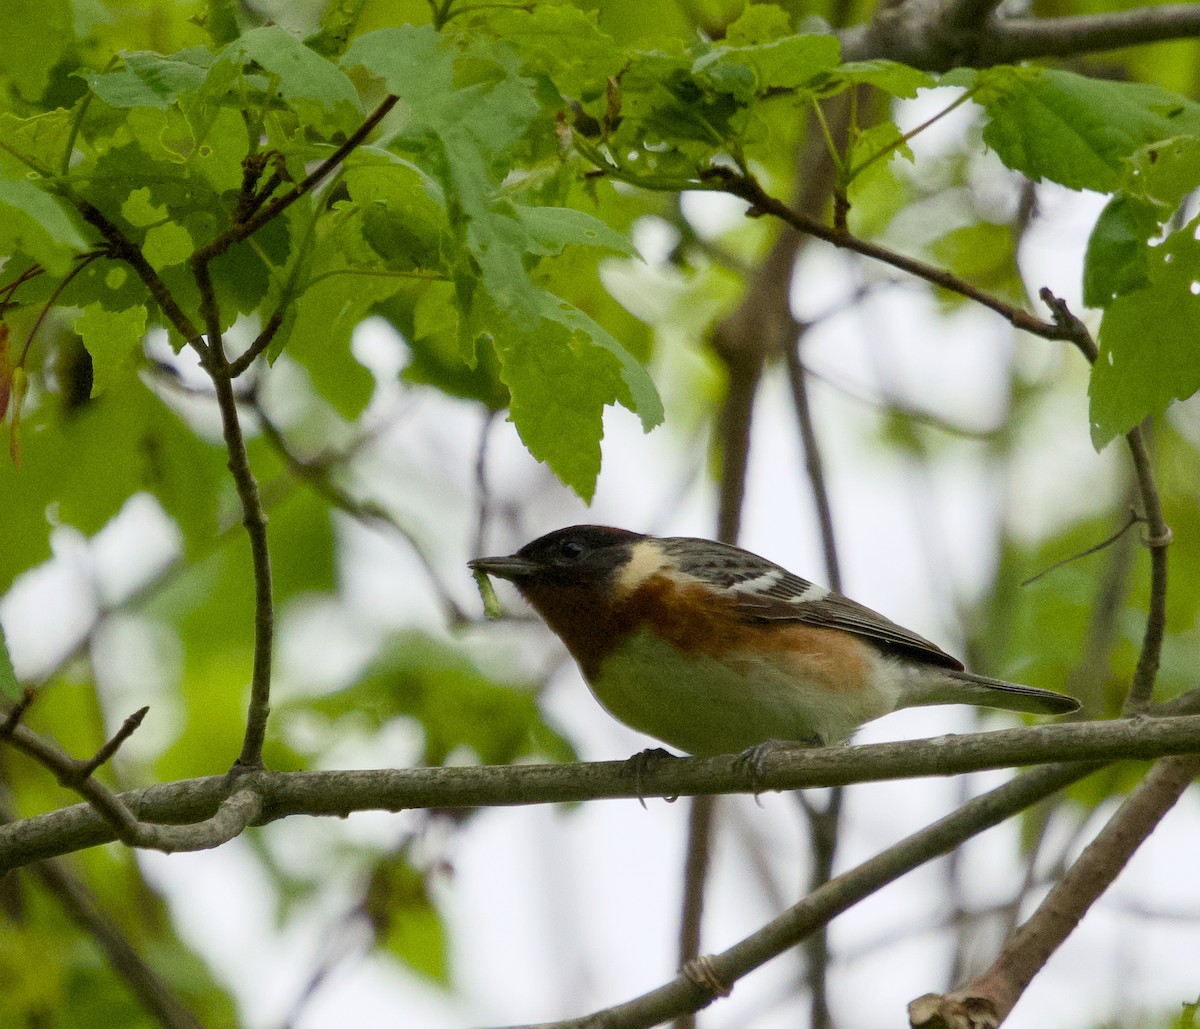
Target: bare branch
[685,993]
[761,202]
[990,997]
[338,793]
[927,35]
[1018,39]
[254,518]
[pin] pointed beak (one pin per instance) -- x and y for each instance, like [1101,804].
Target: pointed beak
[513,568]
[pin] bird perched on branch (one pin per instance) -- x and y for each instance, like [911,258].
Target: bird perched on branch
[713,650]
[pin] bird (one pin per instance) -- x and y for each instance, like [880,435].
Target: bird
[712,649]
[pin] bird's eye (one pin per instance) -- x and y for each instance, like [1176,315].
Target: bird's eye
[570,549]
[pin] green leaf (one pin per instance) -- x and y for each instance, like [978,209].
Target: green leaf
[82,464]
[455,704]
[898,80]
[751,70]
[560,366]
[1071,129]
[1118,251]
[559,41]
[111,338]
[1148,352]
[758,24]
[983,254]
[33,221]
[338,22]
[1165,172]
[553,228]
[37,35]
[405,918]
[320,92]
[9,687]
[150,80]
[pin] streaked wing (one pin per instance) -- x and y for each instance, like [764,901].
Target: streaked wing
[765,591]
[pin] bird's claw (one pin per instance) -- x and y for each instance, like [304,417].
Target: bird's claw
[645,761]
[752,761]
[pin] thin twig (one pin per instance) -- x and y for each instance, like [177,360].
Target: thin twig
[1158,540]
[1104,544]
[273,209]
[105,753]
[253,518]
[761,202]
[697,857]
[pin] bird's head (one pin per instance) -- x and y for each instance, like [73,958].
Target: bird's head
[581,557]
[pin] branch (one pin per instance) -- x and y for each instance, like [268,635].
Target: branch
[761,202]
[179,806]
[1159,533]
[254,518]
[1018,39]
[690,991]
[987,1000]
[241,230]
[936,37]
[143,981]
[228,819]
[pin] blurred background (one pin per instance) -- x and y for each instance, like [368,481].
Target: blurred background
[957,464]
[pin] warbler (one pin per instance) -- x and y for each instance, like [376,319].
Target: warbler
[712,649]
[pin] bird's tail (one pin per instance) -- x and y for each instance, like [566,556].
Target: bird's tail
[954,687]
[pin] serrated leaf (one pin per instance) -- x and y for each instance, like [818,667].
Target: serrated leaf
[111,337]
[749,71]
[559,41]
[337,25]
[759,23]
[1148,353]
[1074,130]
[549,349]
[1165,172]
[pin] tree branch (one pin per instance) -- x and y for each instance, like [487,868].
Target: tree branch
[254,518]
[987,1000]
[143,981]
[928,35]
[686,993]
[761,202]
[180,805]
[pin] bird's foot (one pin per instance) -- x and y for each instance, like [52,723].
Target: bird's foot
[752,760]
[643,762]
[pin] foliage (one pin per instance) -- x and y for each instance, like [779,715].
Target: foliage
[483,169]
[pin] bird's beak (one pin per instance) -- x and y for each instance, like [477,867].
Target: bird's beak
[513,568]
